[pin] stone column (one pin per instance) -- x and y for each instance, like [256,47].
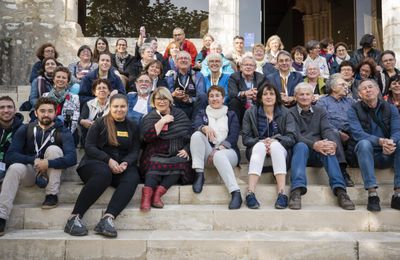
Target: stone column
[316,25]
[224,21]
[391,26]
[308,27]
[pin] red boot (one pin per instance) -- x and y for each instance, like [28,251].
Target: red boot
[147,192]
[158,193]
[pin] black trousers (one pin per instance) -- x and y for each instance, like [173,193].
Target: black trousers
[237,106]
[153,180]
[97,177]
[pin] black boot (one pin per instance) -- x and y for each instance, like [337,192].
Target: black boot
[198,182]
[347,179]
[236,200]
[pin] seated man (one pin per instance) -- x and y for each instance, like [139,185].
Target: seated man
[243,86]
[375,126]
[187,86]
[139,102]
[336,104]
[10,121]
[38,153]
[284,79]
[316,144]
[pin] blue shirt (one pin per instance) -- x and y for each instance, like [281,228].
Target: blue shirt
[337,111]
[222,82]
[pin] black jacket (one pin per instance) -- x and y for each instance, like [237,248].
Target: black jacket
[18,120]
[129,60]
[236,84]
[97,148]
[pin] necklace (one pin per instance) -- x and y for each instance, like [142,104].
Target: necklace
[214,80]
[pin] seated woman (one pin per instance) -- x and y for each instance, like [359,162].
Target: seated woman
[226,66]
[268,131]
[104,71]
[121,60]
[110,160]
[45,51]
[299,54]
[366,69]
[205,50]
[100,46]
[67,103]
[97,107]
[272,47]
[165,159]
[155,71]
[215,143]
[313,77]
[216,77]
[136,68]
[393,96]
[258,52]
[336,59]
[44,82]
[81,68]
[172,49]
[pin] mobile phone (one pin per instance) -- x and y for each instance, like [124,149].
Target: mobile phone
[142,31]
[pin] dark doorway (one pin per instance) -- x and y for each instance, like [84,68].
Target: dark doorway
[279,17]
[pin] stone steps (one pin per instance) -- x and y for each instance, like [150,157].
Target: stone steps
[55,244]
[213,194]
[217,218]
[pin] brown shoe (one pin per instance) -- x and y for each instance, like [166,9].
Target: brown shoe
[295,199]
[345,201]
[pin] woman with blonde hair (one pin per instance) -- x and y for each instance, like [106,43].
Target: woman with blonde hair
[272,47]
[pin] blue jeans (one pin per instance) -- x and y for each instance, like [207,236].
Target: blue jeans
[303,154]
[370,156]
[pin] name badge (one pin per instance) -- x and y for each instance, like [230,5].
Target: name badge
[122,133]
[2,166]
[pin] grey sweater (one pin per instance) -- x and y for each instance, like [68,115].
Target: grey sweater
[312,127]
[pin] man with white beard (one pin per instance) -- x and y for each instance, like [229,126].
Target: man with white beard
[138,102]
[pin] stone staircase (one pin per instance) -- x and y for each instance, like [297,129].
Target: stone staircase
[200,226]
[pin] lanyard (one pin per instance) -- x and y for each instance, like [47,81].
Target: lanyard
[37,149]
[3,142]
[186,83]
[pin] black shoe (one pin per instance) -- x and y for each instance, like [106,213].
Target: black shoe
[75,227]
[373,203]
[344,200]
[198,182]
[347,179]
[295,199]
[51,201]
[106,227]
[2,226]
[395,204]
[236,201]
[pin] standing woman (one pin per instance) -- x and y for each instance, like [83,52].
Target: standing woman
[268,131]
[100,46]
[272,47]
[97,107]
[215,143]
[67,103]
[111,151]
[165,159]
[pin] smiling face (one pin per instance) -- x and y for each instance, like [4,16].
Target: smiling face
[365,71]
[304,97]
[45,114]
[7,111]
[183,62]
[340,88]
[85,54]
[239,45]
[49,52]
[314,52]
[347,73]
[215,99]
[101,46]
[284,63]
[50,66]
[341,52]
[118,109]
[214,64]
[312,71]
[154,70]
[395,87]
[274,45]
[162,104]
[60,80]
[121,46]
[173,50]
[207,42]
[104,62]
[143,85]
[148,54]
[259,53]
[248,67]
[388,62]
[102,91]
[298,57]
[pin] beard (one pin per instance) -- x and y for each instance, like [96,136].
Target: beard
[144,91]
[45,121]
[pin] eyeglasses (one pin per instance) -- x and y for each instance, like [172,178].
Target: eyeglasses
[341,50]
[183,58]
[161,99]
[248,65]
[214,61]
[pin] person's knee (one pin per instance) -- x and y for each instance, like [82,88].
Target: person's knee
[16,170]
[276,147]
[53,152]
[300,147]
[196,136]
[364,146]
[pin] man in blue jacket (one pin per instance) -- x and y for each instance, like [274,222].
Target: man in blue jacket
[10,121]
[284,79]
[375,126]
[38,153]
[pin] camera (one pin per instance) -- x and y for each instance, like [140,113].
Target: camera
[68,118]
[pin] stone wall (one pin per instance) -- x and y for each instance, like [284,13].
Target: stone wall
[391,26]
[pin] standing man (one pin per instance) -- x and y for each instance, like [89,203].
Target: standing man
[316,144]
[284,79]
[187,86]
[38,154]
[375,126]
[10,121]
[186,45]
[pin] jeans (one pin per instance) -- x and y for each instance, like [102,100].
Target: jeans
[303,154]
[370,156]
